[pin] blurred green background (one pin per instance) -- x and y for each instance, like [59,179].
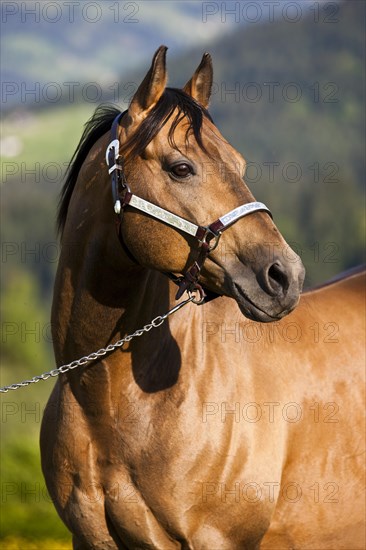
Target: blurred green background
[288,93]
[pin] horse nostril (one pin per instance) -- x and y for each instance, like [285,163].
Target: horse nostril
[277,279]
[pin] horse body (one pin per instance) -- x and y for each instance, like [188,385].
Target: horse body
[193,465]
[211,431]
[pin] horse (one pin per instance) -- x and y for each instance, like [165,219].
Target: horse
[234,421]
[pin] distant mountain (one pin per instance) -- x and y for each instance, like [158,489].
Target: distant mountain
[55,48]
[46,45]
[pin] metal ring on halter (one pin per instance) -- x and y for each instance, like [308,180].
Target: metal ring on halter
[209,235]
[126,191]
[125,188]
[201,298]
[216,241]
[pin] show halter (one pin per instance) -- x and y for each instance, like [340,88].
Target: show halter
[208,236]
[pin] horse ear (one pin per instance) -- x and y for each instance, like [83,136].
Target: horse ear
[152,87]
[200,85]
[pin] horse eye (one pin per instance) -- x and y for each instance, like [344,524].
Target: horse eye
[181,170]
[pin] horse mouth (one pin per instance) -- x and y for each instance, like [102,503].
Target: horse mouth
[253,311]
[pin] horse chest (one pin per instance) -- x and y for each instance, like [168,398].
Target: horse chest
[170,461]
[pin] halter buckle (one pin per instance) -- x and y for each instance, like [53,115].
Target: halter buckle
[114,144]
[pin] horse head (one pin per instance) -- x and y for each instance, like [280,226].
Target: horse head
[175,157]
[186,210]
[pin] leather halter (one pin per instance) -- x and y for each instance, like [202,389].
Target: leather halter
[208,236]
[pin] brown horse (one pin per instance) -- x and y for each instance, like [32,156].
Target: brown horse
[211,431]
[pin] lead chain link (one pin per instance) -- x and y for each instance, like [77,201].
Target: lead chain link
[155,323]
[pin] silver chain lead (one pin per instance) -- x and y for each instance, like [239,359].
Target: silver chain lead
[101,352]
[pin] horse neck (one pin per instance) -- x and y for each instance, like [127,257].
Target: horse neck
[100,295]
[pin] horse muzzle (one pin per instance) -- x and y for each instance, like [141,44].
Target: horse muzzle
[271,292]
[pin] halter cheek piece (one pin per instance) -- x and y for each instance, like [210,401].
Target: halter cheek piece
[208,236]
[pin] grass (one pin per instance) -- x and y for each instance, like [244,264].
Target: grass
[28,518]
[46,136]
[17,543]
[27,510]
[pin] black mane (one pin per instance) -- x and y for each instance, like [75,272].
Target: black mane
[101,122]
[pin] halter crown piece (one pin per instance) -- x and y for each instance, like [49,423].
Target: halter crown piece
[208,236]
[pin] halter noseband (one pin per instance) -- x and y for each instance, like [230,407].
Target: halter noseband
[208,236]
